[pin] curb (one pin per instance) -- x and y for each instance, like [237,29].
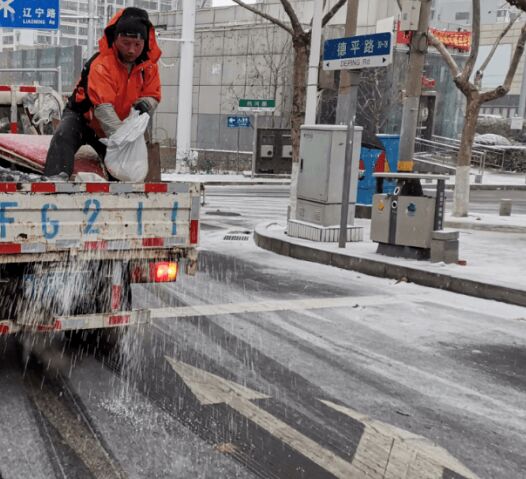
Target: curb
[388,270]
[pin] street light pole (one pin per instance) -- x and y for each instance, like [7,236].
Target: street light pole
[91,27]
[186,77]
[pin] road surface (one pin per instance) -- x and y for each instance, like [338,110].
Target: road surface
[264,366]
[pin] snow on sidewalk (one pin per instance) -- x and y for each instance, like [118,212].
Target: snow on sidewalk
[492,257]
[204,178]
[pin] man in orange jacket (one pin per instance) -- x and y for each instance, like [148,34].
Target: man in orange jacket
[123,75]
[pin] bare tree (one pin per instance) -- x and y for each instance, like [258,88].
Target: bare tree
[273,72]
[475,97]
[375,99]
[301,37]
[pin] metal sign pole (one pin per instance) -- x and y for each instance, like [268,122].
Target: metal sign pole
[349,147]
[254,144]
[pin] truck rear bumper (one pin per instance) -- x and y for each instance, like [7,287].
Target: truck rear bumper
[80,322]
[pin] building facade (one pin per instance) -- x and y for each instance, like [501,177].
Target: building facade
[454,14]
[74,23]
[240,55]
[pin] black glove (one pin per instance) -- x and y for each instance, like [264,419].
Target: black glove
[142,106]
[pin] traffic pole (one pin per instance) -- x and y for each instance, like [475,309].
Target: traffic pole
[413,90]
[345,89]
[354,80]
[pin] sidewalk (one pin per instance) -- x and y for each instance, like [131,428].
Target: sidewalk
[495,261]
[490,181]
[226,179]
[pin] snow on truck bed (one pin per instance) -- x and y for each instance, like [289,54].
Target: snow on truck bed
[30,151]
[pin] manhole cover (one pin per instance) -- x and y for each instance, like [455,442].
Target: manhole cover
[222,213]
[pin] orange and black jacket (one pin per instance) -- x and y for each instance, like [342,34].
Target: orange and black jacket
[105,79]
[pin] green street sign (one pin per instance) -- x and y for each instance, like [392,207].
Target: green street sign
[247,104]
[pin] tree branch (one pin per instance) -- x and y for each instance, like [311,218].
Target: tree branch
[518,3]
[475,42]
[451,63]
[266,16]
[333,11]
[505,87]
[482,68]
[296,25]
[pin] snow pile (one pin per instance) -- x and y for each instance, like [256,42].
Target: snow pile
[492,139]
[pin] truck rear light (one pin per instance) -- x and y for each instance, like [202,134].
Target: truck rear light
[117,319]
[164,272]
[4,329]
[194,231]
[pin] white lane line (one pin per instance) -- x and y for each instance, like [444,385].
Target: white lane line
[280,305]
[399,453]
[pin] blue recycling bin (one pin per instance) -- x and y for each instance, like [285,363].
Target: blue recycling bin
[368,160]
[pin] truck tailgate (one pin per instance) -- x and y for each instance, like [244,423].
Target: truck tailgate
[58,218]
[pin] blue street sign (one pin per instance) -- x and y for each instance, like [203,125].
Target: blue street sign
[35,14]
[238,122]
[362,51]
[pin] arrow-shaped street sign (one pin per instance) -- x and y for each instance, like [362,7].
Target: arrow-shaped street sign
[384,451]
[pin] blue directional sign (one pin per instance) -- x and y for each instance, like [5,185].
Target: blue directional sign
[362,51]
[238,122]
[35,14]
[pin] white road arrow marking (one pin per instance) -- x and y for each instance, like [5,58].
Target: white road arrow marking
[211,389]
[396,453]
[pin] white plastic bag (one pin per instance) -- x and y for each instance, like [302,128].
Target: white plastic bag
[126,155]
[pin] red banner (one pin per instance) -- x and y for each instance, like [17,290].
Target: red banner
[460,41]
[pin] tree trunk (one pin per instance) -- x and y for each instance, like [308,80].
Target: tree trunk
[461,199]
[301,57]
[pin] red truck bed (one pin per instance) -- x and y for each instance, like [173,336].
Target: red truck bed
[30,151]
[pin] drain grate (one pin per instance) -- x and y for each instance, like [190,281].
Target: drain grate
[222,213]
[237,236]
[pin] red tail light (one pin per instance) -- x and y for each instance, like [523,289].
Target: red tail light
[164,272]
[118,319]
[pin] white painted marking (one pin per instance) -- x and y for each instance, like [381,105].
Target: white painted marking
[397,453]
[283,305]
[211,389]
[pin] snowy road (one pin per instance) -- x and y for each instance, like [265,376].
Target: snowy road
[263,366]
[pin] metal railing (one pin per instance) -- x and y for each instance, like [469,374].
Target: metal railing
[494,155]
[445,151]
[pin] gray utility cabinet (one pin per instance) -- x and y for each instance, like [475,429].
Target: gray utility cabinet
[403,220]
[320,180]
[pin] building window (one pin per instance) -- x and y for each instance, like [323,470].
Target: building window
[462,16]
[503,16]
